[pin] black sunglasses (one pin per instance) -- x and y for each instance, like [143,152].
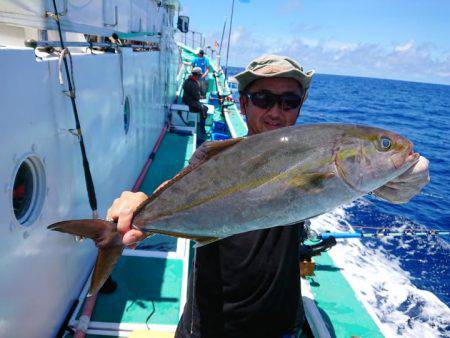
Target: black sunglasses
[266,100]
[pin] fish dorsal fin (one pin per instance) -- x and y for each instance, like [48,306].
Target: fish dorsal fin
[209,149]
[206,151]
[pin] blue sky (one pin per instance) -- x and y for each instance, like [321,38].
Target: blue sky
[396,39]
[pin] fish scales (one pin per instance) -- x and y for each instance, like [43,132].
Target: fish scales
[204,201]
[266,180]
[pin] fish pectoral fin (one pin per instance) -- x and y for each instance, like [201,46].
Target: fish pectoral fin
[310,181]
[106,261]
[201,241]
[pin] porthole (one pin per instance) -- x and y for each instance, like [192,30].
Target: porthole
[126,115]
[28,191]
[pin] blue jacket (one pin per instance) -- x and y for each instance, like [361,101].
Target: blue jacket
[203,63]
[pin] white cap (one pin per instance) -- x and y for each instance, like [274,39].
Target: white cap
[196,70]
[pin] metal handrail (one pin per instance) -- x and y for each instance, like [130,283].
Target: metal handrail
[55,44]
[190,39]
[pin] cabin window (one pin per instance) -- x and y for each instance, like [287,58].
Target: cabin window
[28,191]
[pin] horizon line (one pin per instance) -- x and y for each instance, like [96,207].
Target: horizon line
[376,78]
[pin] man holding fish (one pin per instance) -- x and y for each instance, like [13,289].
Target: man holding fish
[247,284]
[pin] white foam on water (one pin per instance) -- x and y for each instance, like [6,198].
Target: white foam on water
[385,289]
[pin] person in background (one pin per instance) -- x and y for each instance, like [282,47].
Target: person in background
[202,61]
[191,97]
[248,285]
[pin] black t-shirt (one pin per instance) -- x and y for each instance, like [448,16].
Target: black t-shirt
[191,94]
[247,285]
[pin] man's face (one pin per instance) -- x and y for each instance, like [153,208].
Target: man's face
[259,119]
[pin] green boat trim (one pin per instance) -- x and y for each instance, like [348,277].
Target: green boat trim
[343,314]
[155,274]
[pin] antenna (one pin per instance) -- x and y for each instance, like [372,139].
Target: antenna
[229,36]
[221,40]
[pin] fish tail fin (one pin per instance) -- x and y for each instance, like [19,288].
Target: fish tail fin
[104,265]
[91,228]
[97,230]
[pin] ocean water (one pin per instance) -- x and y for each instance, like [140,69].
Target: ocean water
[405,281]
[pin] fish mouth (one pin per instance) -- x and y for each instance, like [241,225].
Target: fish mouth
[409,160]
[412,159]
[413,156]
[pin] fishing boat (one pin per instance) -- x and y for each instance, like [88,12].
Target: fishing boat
[91,106]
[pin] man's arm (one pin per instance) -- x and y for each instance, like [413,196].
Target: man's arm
[205,74]
[207,66]
[407,185]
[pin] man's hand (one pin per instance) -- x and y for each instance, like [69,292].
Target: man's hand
[407,185]
[122,211]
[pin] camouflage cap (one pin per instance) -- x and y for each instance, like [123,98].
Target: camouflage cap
[273,66]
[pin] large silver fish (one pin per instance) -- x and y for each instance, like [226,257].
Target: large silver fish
[266,180]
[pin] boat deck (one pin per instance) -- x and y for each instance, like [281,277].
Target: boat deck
[152,278]
[146,282]
[343,314]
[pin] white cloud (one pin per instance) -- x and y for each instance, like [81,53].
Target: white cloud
[404,48]
[404,61]
[310,42]
[339,46]
[237,34]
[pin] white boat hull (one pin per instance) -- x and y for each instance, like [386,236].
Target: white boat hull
[42,272]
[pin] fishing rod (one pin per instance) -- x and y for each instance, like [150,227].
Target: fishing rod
[383,233]
[89,182]
[219,97]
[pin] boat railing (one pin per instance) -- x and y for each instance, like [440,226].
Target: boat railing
[191,38]
[137,45]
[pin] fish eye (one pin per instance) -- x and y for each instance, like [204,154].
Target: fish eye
[385,143]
